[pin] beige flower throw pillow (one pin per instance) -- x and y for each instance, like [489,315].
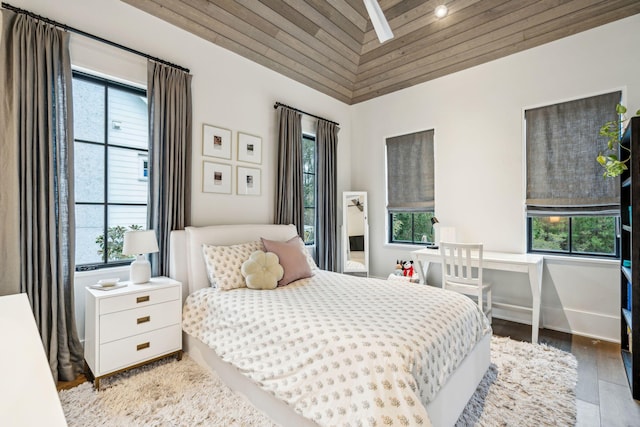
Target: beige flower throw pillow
[262,270]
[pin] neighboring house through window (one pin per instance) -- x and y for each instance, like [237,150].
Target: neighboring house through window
[410,188]
[309,183]
[111,167]
[571,208]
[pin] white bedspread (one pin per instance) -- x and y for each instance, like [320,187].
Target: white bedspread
[342,350]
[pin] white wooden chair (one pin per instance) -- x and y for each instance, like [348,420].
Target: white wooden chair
[462,272]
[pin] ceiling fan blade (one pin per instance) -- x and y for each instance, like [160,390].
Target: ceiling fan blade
[380,24]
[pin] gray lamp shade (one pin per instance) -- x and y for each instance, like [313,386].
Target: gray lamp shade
[139,242]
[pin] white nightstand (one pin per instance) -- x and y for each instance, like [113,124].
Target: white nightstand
[131,326]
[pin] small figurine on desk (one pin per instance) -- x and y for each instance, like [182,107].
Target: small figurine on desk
[407,269]
[399,270]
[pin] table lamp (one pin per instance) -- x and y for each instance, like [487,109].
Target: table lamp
[140,243]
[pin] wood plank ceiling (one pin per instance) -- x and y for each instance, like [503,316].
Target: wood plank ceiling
[330,45]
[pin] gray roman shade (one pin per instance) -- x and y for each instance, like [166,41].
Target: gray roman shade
[563,177]
[410,178]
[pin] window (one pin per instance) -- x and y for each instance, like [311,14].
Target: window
[571,208]
[410,188]
[111,168]
[309,183]
[411,227]
[576,235]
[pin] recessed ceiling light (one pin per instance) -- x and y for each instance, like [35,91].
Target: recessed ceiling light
[441,11]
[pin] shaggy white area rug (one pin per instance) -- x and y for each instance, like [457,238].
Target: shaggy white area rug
[526,385]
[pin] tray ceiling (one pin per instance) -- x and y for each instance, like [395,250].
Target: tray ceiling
[330,45]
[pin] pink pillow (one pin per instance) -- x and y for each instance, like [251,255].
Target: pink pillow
[292,260]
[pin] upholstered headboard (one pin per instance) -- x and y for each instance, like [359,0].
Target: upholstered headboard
[186,259]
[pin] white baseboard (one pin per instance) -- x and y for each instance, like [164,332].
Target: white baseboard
[592,325]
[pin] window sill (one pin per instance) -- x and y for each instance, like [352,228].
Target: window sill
[567,259]
[107,271]
[410,246]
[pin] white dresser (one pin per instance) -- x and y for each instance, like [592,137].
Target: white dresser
[28,395]
[132,325]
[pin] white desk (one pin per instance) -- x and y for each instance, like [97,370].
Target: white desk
[521,263]
[28,395]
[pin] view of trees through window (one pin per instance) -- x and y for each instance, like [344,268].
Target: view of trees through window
[411,227]
[309,183]
[588,235]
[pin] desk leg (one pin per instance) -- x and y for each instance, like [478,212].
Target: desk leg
[535,280]
[422,268]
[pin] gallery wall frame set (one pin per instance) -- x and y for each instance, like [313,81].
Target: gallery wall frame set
[249,181]
[216,142]
[217,177]
[249,148]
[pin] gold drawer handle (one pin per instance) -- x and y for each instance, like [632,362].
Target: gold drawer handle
[144,319]
[142,299]
[143,346]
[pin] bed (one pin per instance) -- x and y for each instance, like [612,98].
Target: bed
[331,349]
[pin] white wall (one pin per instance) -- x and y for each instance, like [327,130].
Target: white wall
[228,91]
[479,170]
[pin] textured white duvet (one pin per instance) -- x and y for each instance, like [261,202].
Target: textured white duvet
[342,350]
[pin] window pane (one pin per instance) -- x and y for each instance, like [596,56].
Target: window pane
[309,226]
[594,234]
[122,219]
[88,111]
[309,188]
[89,172]
[89,229]
[126,185]
[309,182]
[422,228]
[308,155]
[401,227]
[550,233]
[128,119]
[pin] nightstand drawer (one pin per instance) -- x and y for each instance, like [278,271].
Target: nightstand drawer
[130,351]
[138,299]
[122,324]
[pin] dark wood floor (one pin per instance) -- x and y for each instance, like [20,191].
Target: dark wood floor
[66,385]
[602,392]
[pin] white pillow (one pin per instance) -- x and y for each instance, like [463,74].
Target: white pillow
[262,270]
[224,263]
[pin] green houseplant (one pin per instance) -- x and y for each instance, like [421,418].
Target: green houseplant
[114,243]
[612,160]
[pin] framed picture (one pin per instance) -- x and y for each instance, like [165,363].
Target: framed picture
[216,178]
[216,142]
[249,181]
[249,148]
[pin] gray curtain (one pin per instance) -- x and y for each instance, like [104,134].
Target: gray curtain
[563,177]
[326,159]
[410,177]
[169,208]
[289,207]
[38,123]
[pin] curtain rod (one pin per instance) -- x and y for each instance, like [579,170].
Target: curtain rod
[91,36]
[279,104]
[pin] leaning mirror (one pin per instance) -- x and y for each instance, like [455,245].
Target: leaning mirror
[355,232]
